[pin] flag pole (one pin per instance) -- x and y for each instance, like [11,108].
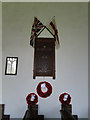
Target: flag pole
[40,32]
[50,32]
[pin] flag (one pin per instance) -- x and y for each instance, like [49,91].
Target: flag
[36,28]
[52,27]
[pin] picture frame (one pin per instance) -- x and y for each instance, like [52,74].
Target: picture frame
[11,66]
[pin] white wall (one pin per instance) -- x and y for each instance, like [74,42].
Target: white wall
[71,57]
[0,52]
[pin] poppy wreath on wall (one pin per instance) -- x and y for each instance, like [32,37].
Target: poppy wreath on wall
[44,89]
[65,98]
[32,99]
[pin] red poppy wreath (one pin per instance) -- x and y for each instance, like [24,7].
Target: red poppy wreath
[32,99]
[44,89]
[65,98]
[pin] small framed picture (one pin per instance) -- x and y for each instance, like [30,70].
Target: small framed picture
[11,65]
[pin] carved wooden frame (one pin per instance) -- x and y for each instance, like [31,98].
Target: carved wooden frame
[53,59]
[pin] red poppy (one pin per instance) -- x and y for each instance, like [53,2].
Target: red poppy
[62,97]
[32,99]
[44,94]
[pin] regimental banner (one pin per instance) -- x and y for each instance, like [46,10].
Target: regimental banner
[38,27]
[52,27]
